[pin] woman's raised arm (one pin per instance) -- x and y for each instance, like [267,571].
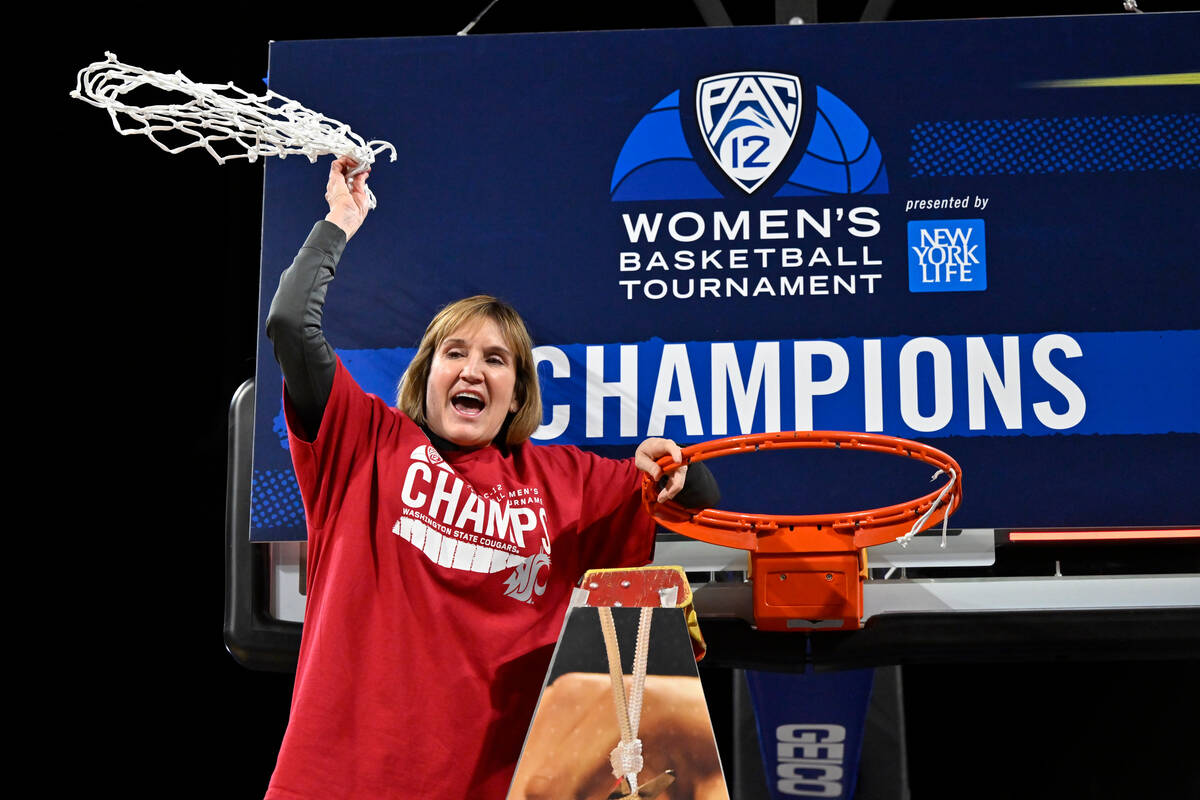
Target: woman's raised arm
[306,359]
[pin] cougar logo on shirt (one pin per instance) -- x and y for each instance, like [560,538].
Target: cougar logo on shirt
[522,584]
[457,528]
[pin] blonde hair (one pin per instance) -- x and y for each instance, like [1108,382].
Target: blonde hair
[519,425]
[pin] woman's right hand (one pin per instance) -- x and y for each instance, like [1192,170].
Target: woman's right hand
[646,459]
[348,204]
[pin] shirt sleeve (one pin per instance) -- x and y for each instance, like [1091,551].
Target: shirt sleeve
[305,358]
[353,422]
[615,529]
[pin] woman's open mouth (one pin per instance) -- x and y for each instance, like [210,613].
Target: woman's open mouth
[467,404]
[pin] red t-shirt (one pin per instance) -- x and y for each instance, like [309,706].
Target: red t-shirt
[437,585]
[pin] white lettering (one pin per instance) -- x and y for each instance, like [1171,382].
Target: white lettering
[1005,391]
[808,734]
[642,227]
[824,227]
[824,751]
[872,385]
[1076,402]
[442,495]
[803,354]
[560,414]
[675,369]
[740,229]
[472,512]
[501,523]
[810,760]
[921,381]
[406,492]
[866,222]
[943,396]
[625,388]
[772,224]
[764,380]
[697,223]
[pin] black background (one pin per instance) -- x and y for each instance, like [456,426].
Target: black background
[137,274]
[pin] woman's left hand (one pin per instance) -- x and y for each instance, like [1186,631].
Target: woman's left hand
[646,457]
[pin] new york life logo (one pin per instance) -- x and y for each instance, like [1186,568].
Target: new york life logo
[947,255]
[749,123]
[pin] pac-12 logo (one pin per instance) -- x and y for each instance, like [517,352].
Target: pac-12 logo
[750,125]
[749,122]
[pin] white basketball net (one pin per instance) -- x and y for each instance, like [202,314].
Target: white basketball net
[626,758]
[221,118]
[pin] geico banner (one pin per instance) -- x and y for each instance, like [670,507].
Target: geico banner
[891,228]
[810,730]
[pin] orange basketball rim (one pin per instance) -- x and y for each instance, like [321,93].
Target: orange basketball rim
[807,570]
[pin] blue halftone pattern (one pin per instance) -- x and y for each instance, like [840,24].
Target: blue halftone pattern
[842,156]
[276,500]
[279,428]
[1047,145]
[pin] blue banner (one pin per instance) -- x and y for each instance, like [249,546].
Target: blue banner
[719,231]
[1126,382]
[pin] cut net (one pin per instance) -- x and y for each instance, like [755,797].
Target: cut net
[226,121]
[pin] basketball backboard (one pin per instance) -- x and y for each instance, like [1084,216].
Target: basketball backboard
[710,244]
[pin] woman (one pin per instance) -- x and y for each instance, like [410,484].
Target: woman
[443,545]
